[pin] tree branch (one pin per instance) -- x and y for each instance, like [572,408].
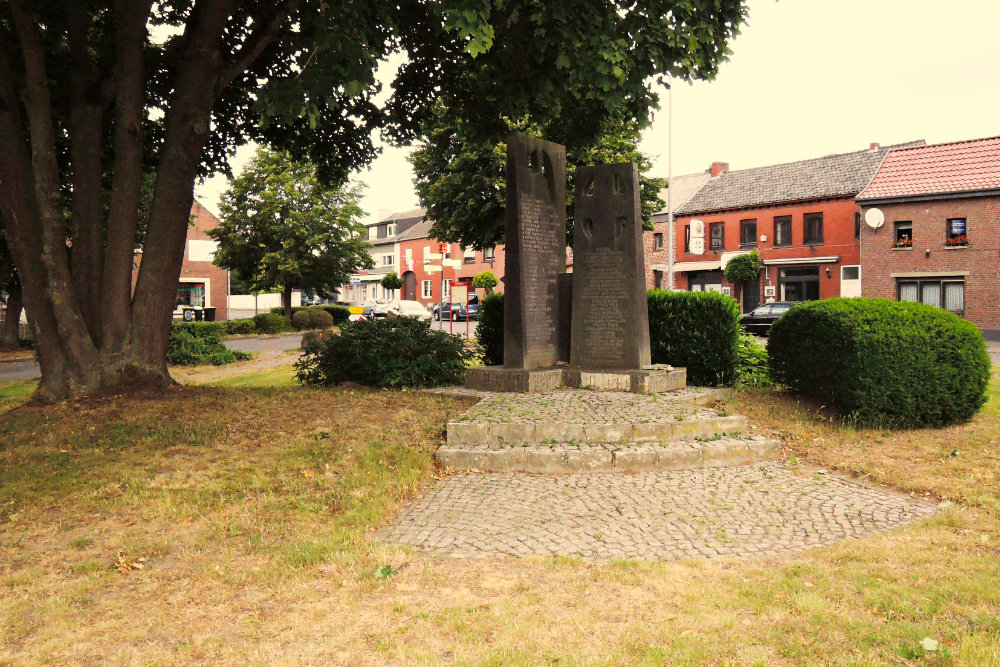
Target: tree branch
[259,40]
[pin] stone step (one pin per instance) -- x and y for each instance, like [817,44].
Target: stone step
[701,424]
[609,457]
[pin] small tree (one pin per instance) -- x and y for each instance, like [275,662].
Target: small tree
[391,281]
[743,268]
[282,228]
[485,280]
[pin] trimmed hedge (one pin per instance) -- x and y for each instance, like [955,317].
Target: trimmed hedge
[300,319]
[270,323]
[193,343]
[696,330]
[339,313]
[489,330]
[384,352]
[320,318]
[240,326]
[882,363]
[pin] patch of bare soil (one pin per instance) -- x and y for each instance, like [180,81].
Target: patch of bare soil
[263,360]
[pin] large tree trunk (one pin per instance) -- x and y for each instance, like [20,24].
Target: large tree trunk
[286,301]
[12,318]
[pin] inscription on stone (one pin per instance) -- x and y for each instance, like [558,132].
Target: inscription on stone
[535,251]
[610,327]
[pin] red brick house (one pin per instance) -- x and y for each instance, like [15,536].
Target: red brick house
[656,244]
[800,216]
[421,285]
[933,229]
[201,283]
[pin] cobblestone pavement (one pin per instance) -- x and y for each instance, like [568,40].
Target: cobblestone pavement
[583,406]
[760,509]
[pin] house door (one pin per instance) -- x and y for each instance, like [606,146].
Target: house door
[751,295]
[850,281]
[409,286]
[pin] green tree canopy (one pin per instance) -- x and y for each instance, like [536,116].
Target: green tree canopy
[391,281]
[485,280]
[93,94]
[461,179]
[282,228]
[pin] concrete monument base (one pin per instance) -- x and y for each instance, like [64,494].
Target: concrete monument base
[650,380]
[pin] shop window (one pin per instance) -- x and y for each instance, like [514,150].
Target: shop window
[190,294]
[748,233]
[956,232]
[783,230]
[717,236]
[813,234]
[947,294]
[903,230]
[657,241]
[799,283]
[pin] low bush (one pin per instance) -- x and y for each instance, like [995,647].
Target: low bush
[339,312]
[751,363]
[300,320]
[239,327]
[194,343]
[489,330]
[320,318]
[882,363]
[696,330]
[389,352]
[269,323]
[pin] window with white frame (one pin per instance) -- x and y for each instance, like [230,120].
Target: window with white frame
[390,229]
[489,254]
[388,260]
[372,233]
[426,289]
[427,250]
[409,254]
[447,291]
[943,293]
[469,255]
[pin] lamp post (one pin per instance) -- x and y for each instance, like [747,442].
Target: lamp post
[670,188]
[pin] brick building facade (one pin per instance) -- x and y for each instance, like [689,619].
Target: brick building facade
[201,283]
[934,232]
[800,217]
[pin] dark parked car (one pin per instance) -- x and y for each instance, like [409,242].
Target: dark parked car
[759,320]
[457,311]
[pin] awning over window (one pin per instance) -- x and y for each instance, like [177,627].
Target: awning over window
[697,266]
[829,259]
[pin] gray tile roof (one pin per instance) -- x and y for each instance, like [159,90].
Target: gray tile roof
[417,231]
[684,187]
[842,175]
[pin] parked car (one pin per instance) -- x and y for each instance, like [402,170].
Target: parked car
[759,320]
[457,311]
[408,308]
[375,307]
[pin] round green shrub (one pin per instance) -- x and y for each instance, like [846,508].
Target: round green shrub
[239,326]
[269,323]
[743,268]
[319,318]
[489,330]
[882,363]
[338,313]
[300,320]
[752,368]
[695,330]
[384,352]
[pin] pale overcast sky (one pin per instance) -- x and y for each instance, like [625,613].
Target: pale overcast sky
[806,78]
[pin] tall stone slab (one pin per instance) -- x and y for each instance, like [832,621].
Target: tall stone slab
[535,251]
[610,326]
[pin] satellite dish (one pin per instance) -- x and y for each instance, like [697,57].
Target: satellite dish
[874,218]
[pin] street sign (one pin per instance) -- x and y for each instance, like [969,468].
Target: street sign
[453,263]
[355,281]
[433,255]
[356,310]
[432,268]
[443,247]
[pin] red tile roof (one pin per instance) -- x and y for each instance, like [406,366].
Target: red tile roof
[963,166]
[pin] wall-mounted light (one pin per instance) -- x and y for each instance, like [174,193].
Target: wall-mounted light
[828,272]
[927,253]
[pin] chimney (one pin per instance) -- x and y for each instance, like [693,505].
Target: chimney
[384,213]
[719,168]
[874,146]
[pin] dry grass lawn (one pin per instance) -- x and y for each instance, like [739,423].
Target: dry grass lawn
[230,524]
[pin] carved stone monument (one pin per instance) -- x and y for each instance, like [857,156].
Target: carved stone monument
[610,328]
[535,251]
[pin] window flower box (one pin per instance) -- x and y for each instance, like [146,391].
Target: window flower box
[957,241]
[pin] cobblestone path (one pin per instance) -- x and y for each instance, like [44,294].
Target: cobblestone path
[760,509]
